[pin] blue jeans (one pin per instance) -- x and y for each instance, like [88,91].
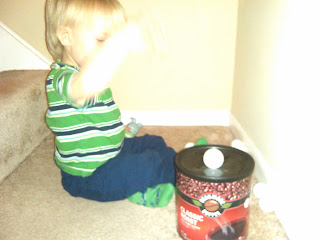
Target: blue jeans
[143,162]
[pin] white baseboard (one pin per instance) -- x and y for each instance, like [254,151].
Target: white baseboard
[262,170]
[178,118]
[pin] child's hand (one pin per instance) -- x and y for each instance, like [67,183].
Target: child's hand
[146,33]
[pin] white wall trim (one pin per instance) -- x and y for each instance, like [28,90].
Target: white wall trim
[262,171]
[178,118]
[16,53]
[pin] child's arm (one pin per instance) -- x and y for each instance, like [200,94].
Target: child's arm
[98,69]
[100,66]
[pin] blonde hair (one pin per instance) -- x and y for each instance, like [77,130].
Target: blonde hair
[72,12]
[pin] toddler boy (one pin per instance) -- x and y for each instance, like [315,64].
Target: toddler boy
[88,40]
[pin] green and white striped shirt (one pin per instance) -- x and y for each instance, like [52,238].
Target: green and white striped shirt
[85,137]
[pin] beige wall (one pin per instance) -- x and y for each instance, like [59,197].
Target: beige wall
[276,74]
[26,18]
[197,72]
[276,99]
[259,28]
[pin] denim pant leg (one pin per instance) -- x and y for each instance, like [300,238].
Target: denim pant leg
[143,162]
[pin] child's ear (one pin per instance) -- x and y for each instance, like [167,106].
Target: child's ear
[65,35]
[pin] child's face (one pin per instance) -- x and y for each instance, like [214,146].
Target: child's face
[86,38]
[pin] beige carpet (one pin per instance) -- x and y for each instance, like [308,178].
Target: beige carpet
[33,204]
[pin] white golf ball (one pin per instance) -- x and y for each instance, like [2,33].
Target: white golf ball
[188,145]
[261,190]
[213,158]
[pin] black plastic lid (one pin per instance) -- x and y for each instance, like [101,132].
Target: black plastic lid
[237,164]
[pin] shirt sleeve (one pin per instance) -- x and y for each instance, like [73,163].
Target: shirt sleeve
[62,79]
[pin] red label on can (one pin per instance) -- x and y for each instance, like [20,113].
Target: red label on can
[211,215]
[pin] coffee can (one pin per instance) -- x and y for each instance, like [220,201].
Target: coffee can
[213,203]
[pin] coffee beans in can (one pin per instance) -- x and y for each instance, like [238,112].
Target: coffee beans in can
[213,204]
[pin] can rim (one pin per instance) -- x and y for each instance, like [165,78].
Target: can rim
[246,173]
